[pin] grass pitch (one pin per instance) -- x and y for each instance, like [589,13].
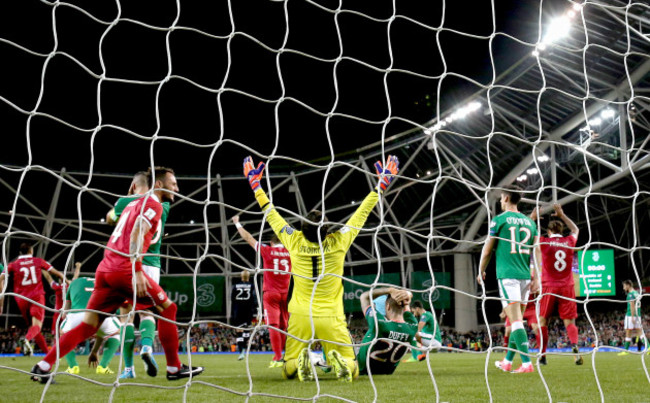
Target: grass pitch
[459,377]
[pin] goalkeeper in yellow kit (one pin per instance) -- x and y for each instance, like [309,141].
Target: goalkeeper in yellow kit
[317,266]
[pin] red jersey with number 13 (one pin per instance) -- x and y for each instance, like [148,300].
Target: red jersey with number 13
[557,258]
[26,271]
[275,257]
[121,236]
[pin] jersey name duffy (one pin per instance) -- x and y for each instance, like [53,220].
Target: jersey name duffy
[276,257]
[557,259]
[121,237]
[26,271]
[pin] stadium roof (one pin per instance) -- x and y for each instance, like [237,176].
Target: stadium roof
[305,97]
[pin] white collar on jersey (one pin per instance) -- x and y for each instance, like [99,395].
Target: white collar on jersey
[25,256]
[277,245]
[556,236]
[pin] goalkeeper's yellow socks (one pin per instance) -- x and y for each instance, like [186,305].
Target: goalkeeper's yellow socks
[290,369]
[129,343]
[110,348]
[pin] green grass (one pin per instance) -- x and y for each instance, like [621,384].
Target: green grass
[459,378]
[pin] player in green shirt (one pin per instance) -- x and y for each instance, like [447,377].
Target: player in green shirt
[392,333]
[77,298]
[513,235]
[428,330]
[633,327]
[151,265]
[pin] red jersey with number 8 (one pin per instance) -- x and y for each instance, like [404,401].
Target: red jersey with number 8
[275,257]
[26,271]
[121,236]
[557,259]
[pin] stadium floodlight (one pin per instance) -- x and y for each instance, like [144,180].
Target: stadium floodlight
[459,113]
[543,158]
[607,113]
[102,220]
[577,7]
[595,122]
[532,171]
[522,178]
[557,29]
[191,221]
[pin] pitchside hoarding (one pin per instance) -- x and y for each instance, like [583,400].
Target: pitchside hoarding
[209,293]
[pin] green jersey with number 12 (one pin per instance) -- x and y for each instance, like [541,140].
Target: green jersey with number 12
[153,253]
[516,233]
[385,354]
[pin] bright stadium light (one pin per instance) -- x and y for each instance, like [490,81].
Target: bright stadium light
[595,122]
[557,29]
[459,113]
[532,171]
[102,220]
[191,221]
[535,53]
[522,178]
[607,113]
[577,7]
[543,158]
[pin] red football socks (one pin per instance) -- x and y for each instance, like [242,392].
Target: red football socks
[70,340]
[168,335]
[276,343]
[572,332]
[544,330]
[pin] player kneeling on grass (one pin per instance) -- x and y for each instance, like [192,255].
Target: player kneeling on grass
[392,333]
[317,259]
[115,278]
[77,298]
[428,330]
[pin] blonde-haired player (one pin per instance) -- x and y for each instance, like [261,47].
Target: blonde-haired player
[317,259]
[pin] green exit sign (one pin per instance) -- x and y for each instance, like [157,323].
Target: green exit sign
[596,269]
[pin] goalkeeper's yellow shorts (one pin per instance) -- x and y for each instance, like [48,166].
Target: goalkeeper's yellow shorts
[326,328]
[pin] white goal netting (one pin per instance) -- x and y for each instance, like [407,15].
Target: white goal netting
[471,96]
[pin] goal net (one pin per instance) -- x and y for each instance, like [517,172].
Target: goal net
[471,97]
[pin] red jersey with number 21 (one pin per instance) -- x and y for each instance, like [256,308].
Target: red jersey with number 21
[557,258]
[26,271]
[121,236]
[275,257]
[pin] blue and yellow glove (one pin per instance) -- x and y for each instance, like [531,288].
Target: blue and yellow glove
[253,174]
[386,173]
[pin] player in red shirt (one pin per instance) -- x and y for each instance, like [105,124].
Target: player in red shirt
[26,270]
[114,281]
[276,288]
[57,287]
[557,278]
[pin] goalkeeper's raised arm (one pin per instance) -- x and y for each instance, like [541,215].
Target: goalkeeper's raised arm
[317,259]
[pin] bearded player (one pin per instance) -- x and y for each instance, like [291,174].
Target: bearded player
[277,263]
[558,292]
[151,266]
[115,277]
[27,273]
[317,259]
[392,333]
